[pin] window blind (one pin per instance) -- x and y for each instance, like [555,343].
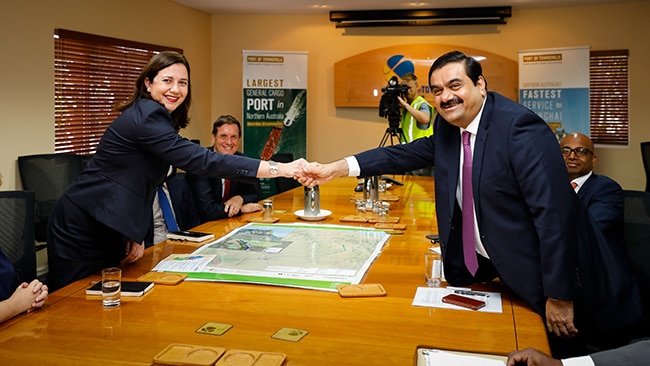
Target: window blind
[608,95]
[91,74]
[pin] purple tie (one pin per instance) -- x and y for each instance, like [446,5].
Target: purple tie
[469,238]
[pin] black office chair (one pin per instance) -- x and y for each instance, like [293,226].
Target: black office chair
[283,184]
[17,233]
[48,175]
[645,154]
[637,241]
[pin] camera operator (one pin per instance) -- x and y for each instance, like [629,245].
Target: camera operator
[417,115]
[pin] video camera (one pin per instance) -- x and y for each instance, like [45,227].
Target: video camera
[389,106]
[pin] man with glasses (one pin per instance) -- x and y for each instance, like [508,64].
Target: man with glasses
[603,200]
[602,196]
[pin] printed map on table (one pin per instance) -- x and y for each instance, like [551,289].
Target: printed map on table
[297,255]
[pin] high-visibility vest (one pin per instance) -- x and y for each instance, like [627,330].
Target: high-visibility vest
[409,123]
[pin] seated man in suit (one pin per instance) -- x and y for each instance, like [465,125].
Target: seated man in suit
[603,199]
[183,213]
[218,198]
[634,354]
[602,196]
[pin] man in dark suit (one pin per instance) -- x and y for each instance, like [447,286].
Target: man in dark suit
[181,201]
[603,200]
[634,354]
[218,198]
[524,212]
[602,196]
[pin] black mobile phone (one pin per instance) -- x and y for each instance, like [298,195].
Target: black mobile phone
[433,237]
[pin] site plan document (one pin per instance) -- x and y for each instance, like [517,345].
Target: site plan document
[319,257]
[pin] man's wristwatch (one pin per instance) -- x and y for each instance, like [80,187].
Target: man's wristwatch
[273,167]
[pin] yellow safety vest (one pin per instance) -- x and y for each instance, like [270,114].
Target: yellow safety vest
[409,123]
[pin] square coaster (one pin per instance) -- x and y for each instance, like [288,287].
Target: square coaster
[381,225]
[290,334]
[212,328]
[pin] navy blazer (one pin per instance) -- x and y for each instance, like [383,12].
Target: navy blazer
[118,185]
[208,198]
[525,207]
[603,198]
[608,292]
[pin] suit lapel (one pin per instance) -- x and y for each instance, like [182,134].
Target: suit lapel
[452,160]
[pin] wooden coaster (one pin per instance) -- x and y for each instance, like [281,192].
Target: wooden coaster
[264,220]
[381,225]
[163,278]
[361,290]
[237,357]
[389,220]
[188,355]
[353,218]
[382,197]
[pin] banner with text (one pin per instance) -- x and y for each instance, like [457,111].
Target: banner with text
[275,107]
[554,83]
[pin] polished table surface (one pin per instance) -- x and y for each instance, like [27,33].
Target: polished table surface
[75,330]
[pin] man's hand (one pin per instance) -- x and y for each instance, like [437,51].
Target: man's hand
[531,357]
[233,205]
[251,207]
[559,318]
[134,251]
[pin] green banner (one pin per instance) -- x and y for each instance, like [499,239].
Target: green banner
[275,108]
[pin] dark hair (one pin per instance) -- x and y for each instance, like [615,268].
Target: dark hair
[226,119]
[158,62]
[473,68]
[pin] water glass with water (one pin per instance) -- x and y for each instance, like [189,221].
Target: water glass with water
[111,287]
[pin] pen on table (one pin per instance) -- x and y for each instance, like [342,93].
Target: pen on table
[471,293]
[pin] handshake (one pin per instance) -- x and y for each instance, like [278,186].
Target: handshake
[310,174]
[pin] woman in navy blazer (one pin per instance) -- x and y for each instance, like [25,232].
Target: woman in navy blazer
[104,215]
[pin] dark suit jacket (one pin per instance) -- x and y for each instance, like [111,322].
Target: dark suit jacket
[117,187]
[207,194]
[526,209]
[608,290]
[603,198]
[635,354]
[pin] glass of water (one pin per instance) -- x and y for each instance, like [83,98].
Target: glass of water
[111,287]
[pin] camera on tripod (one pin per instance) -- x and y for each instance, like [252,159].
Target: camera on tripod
[389,106]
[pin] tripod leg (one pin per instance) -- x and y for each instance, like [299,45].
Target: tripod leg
[384,139]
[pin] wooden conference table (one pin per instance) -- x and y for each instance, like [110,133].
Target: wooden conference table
[74,330]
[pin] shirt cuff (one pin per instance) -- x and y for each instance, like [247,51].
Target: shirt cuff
[353,166]
[578,361]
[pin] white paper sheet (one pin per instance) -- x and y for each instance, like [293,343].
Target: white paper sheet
[432,297]
[438,357]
